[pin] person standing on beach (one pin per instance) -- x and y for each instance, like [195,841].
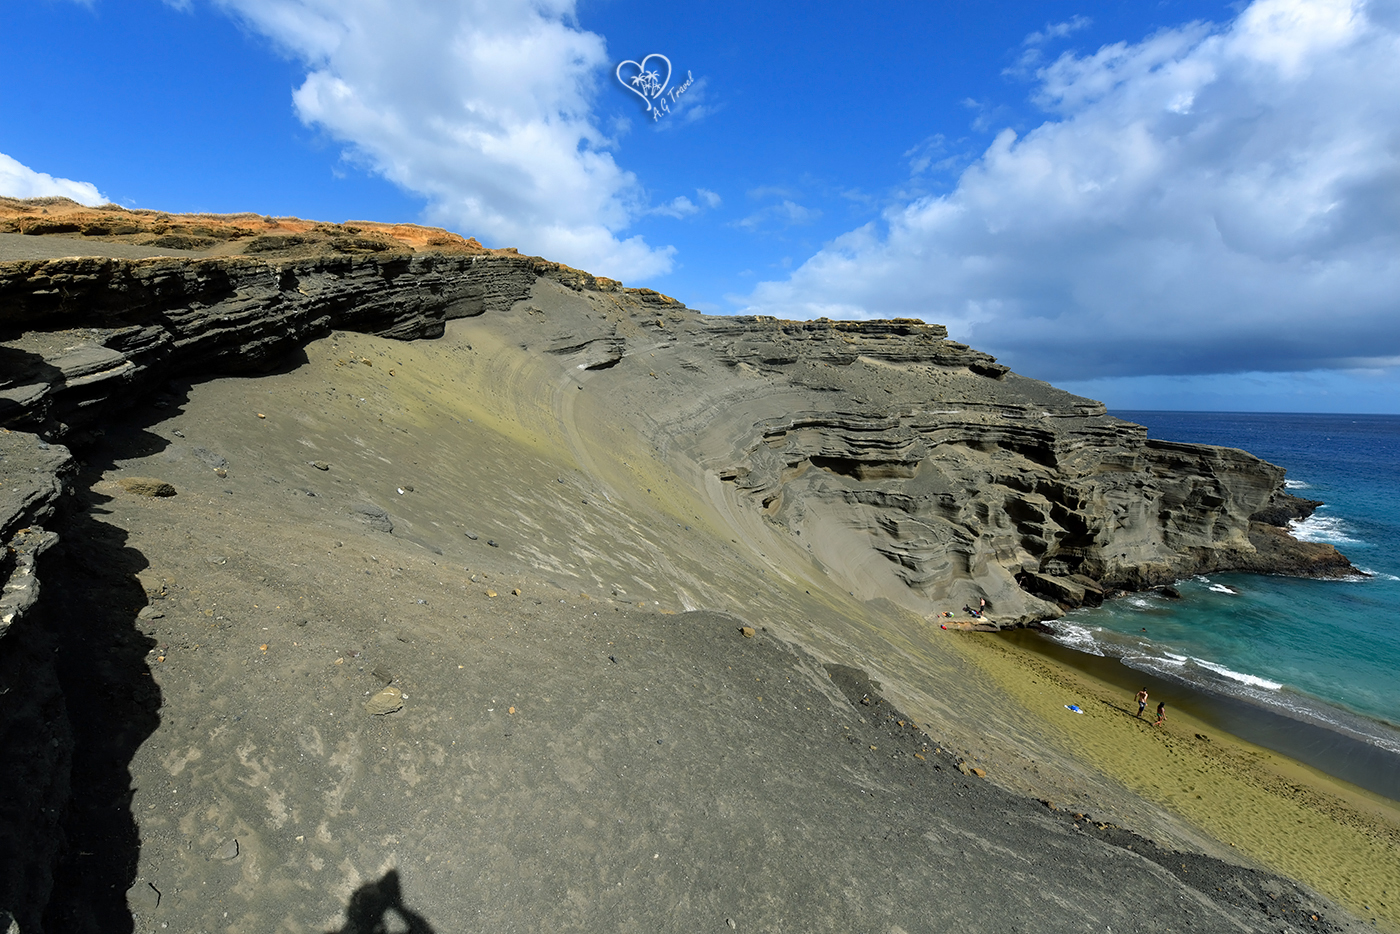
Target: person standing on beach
[1142,701]
[1161,713]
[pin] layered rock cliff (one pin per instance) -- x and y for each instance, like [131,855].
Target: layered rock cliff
[907,465]
[879,456]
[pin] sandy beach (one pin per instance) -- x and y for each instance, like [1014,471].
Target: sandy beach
[1278,812]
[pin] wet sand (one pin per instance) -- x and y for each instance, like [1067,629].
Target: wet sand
[1292,818]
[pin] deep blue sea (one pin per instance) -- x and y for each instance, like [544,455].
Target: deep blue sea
[1326,652]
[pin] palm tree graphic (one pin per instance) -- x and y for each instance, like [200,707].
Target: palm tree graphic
[648,81]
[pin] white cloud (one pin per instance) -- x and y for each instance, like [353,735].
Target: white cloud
[1207,200]
[678,207]
[1059,30]
[690,107]
[483,107]
[20,181]
[1032,54]
[683,207]
[786,213]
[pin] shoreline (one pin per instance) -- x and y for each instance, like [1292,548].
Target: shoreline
[1281,813]
[1330,751]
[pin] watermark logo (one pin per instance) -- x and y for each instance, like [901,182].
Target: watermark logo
[646,80]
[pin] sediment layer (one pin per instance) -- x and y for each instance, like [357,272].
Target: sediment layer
[879,457]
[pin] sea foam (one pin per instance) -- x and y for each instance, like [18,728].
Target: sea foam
[1251,680]
[1315,528]
[1077,637]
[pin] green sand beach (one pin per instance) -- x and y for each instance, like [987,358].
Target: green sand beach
[1287,816]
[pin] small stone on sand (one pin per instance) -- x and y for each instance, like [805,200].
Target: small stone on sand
[386,701]
[146,486]
[226,851]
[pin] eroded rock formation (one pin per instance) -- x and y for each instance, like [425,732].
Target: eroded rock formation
[898,463]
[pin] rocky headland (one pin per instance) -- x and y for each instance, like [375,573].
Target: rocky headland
[840,484]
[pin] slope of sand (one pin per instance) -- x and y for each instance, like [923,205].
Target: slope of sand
[603,749]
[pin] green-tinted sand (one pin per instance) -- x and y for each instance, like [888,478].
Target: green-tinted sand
[1288,817]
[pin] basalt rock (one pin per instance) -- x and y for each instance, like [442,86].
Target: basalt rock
[35,735]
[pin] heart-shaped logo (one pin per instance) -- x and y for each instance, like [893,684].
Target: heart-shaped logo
[646,84]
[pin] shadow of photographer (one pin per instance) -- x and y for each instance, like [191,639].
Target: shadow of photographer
[378,908]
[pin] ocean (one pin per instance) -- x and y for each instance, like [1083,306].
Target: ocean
[1308,668]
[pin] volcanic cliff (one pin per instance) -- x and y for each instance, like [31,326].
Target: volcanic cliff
[906,465]
[879,460]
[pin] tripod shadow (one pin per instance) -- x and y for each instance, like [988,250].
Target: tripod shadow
[378,908]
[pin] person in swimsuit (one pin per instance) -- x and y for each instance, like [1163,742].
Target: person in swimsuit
[1142,701]
[1161,713]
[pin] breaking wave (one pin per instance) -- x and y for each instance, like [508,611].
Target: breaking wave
[1316,528]
[1077,637]
[1241,677]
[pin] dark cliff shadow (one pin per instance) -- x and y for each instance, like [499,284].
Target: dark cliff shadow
[113,705]
[378,908]
[112,701]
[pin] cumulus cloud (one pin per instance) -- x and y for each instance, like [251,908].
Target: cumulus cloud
[20,181]
[481,106]
[1208,200]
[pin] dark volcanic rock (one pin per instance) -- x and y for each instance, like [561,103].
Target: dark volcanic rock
[1283,508]
[1277,552]
[36,742]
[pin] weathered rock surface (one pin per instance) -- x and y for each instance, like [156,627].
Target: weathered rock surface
[920,471]
[900,464]
[35,736]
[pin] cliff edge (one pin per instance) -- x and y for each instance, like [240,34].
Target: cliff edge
[906,465]
[878,460]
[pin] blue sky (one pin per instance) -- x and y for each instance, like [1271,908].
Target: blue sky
[1184,204]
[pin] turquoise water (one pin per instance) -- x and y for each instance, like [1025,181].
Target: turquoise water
[1327,652]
